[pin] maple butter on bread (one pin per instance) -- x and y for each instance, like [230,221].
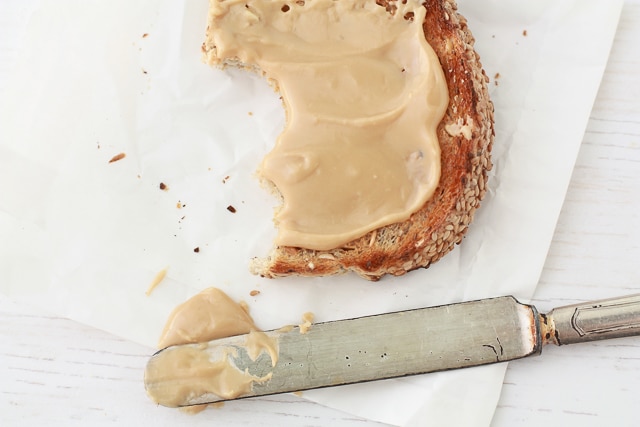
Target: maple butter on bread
[384,157]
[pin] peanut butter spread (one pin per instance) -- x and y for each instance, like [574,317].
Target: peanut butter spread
[307,321]
[363,94]
[159,277]
[180,372]
[207,316]
[192,371]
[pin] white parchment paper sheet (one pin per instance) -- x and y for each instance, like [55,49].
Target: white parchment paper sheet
[85,237]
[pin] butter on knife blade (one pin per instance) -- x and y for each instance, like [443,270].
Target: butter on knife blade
[377,347]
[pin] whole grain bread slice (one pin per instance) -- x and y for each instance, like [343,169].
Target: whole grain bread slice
[465,135]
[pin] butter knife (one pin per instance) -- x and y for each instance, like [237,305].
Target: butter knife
[384,346]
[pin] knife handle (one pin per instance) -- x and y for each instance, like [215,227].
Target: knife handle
[591,321]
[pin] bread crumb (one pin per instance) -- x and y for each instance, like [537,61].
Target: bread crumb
[251,113]
[144,71]
[298,393]
[231,209]
[145,35]
[196,250]
[254,292]
[164,187]
[117,157]
[225,179]
[524,33]
[159,277]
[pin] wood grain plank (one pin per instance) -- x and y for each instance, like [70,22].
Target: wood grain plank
[595,253]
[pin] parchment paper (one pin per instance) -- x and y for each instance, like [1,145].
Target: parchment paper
[84,237]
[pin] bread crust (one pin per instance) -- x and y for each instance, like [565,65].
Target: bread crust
[466,136]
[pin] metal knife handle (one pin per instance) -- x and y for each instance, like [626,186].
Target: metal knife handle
[591,321]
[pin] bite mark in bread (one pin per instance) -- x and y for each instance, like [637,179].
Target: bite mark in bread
[466,137]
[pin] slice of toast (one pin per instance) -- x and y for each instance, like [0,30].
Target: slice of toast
[465,135]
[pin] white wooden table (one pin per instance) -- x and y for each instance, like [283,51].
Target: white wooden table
[54,371]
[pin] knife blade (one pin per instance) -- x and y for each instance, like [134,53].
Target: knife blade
[377,347]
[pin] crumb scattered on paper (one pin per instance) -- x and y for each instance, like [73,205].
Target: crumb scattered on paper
[254,292]
[231,209]
[196,250]
[524,33]
[145,35]
[225,179]
[117,157]
[164,187]
[156,280]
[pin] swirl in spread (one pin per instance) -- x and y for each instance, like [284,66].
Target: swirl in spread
[363,94]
